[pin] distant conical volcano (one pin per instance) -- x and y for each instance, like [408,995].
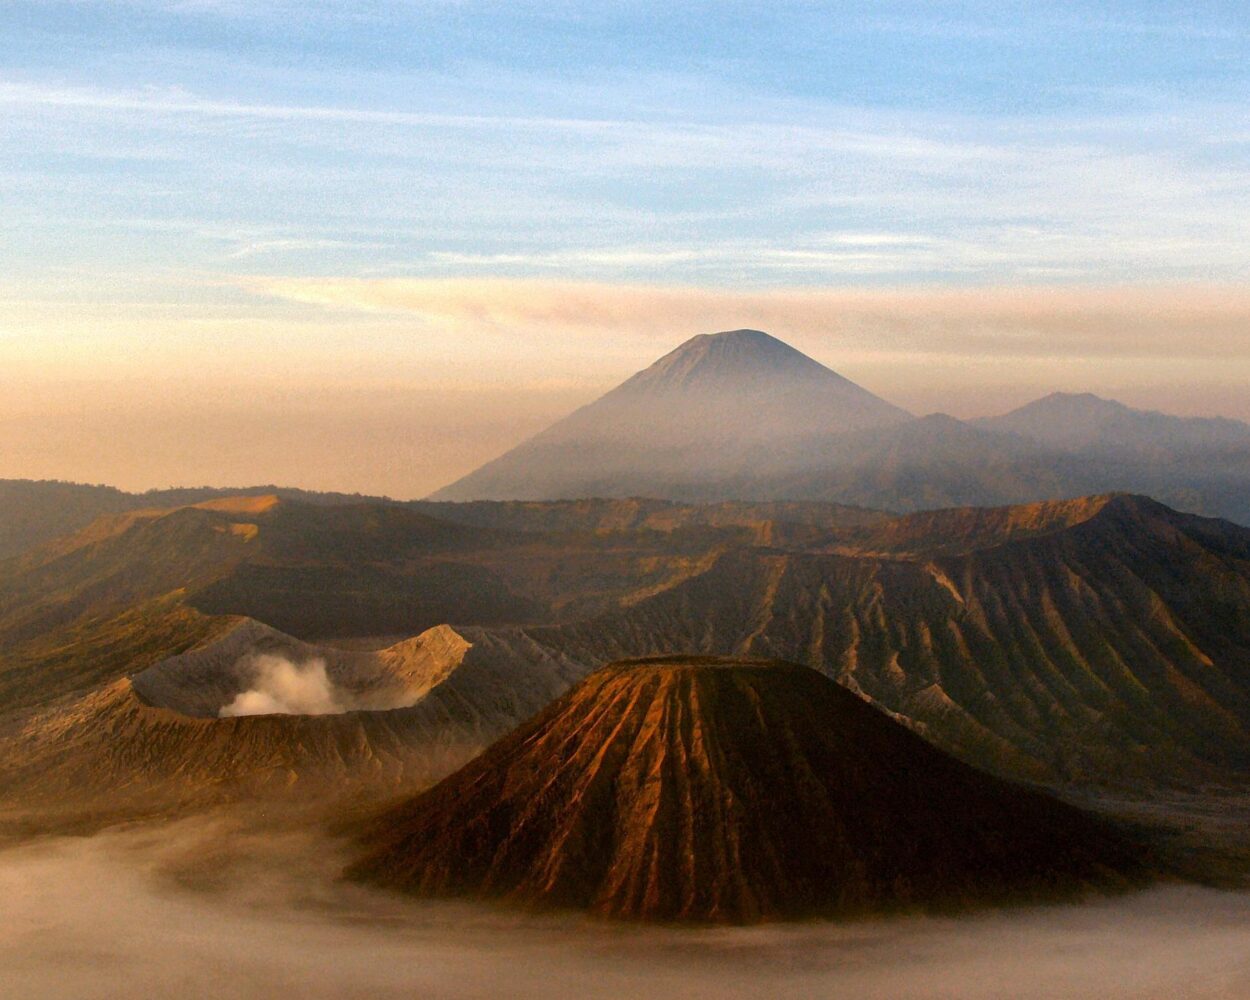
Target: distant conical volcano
[747,360]
[708,410]
[729,790]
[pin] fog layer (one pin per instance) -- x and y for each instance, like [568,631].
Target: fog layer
[206,910]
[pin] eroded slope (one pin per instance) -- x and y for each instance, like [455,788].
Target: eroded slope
[689,789]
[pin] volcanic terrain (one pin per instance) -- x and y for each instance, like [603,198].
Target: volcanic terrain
[694,788]
[1098,642]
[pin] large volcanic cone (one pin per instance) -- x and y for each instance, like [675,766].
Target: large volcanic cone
[729,790]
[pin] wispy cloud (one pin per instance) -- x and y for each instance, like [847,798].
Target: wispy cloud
[753,192]
[261,247]
[1207,322]
[173,101]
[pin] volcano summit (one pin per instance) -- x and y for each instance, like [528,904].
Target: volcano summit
[714,408]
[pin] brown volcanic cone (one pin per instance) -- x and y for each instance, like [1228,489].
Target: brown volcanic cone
[732,790]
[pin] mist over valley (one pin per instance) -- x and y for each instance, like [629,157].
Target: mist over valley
[215,908]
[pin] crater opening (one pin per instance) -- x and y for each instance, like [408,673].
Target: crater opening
[257,670]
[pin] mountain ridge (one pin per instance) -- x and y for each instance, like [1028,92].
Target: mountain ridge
[1085,421]
[1098,642]
[778,426]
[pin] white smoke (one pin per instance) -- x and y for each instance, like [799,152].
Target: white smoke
[283,687]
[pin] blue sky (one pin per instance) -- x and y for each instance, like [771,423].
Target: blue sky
[774,144]
[213,189]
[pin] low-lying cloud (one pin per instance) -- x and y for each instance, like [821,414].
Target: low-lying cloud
[204,909]
[283,687]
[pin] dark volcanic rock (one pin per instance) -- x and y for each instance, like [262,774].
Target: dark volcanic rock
[727,790]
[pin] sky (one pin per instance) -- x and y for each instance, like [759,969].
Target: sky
[367,246]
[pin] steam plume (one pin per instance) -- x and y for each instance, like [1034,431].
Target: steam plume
[283,687]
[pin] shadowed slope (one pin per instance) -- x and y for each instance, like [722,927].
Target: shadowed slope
[699,789]
[635,514]
[382,569]
[320,570]
[34,512]
[930,462]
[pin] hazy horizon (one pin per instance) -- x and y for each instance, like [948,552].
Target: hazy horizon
[369,249]
[405,440]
